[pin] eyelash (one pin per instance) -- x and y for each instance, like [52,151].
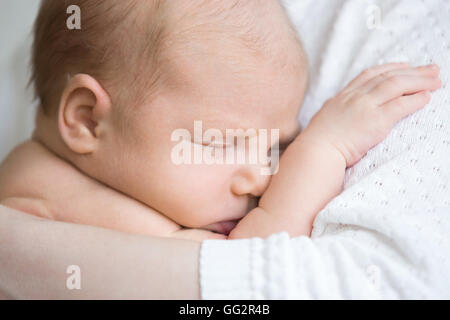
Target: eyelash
[281,148]
[212,145]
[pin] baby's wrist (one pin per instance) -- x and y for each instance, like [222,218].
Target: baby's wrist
[311,139]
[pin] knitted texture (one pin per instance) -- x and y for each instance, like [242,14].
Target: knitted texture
[387,236]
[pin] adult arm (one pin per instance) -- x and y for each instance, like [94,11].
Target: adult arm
[35,255]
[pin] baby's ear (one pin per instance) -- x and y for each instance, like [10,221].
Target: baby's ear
[83,113]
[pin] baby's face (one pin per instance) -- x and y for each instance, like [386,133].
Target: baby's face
[222,94]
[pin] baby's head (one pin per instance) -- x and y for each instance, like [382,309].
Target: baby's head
[113,93]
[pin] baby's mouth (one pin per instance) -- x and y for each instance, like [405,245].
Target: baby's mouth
[223,227]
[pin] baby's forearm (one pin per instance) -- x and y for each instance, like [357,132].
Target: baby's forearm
[311,174]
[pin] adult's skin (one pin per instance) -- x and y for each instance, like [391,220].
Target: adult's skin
[35,254]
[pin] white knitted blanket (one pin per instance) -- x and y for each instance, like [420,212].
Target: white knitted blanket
[388,234]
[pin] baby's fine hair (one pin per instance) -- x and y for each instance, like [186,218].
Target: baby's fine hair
[124,43]
[114,36]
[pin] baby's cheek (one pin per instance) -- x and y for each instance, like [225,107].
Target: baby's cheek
[201,195]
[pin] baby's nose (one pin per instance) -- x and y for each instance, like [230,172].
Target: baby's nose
[250,180]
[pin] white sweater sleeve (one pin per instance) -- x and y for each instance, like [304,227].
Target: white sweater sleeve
[355,264]
[388,234]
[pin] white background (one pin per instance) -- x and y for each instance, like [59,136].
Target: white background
[16,105]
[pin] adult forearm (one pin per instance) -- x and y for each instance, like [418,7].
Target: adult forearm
[35,255]
[3,296]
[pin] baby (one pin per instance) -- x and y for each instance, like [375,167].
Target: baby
[113,93]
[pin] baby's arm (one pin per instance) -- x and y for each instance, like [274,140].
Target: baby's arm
[310,175]
[312,169]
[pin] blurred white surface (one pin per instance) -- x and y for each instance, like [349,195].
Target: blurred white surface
[16,106]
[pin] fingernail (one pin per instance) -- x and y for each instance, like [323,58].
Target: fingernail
[433,66]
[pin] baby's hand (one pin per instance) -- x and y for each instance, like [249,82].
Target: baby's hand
[364,113]
[312,168]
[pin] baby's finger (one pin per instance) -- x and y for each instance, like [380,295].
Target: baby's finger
[425,71]
[402,107]
[374,72]
[403,85]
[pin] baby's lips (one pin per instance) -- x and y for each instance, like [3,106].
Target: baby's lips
[228,226]
[223,227]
